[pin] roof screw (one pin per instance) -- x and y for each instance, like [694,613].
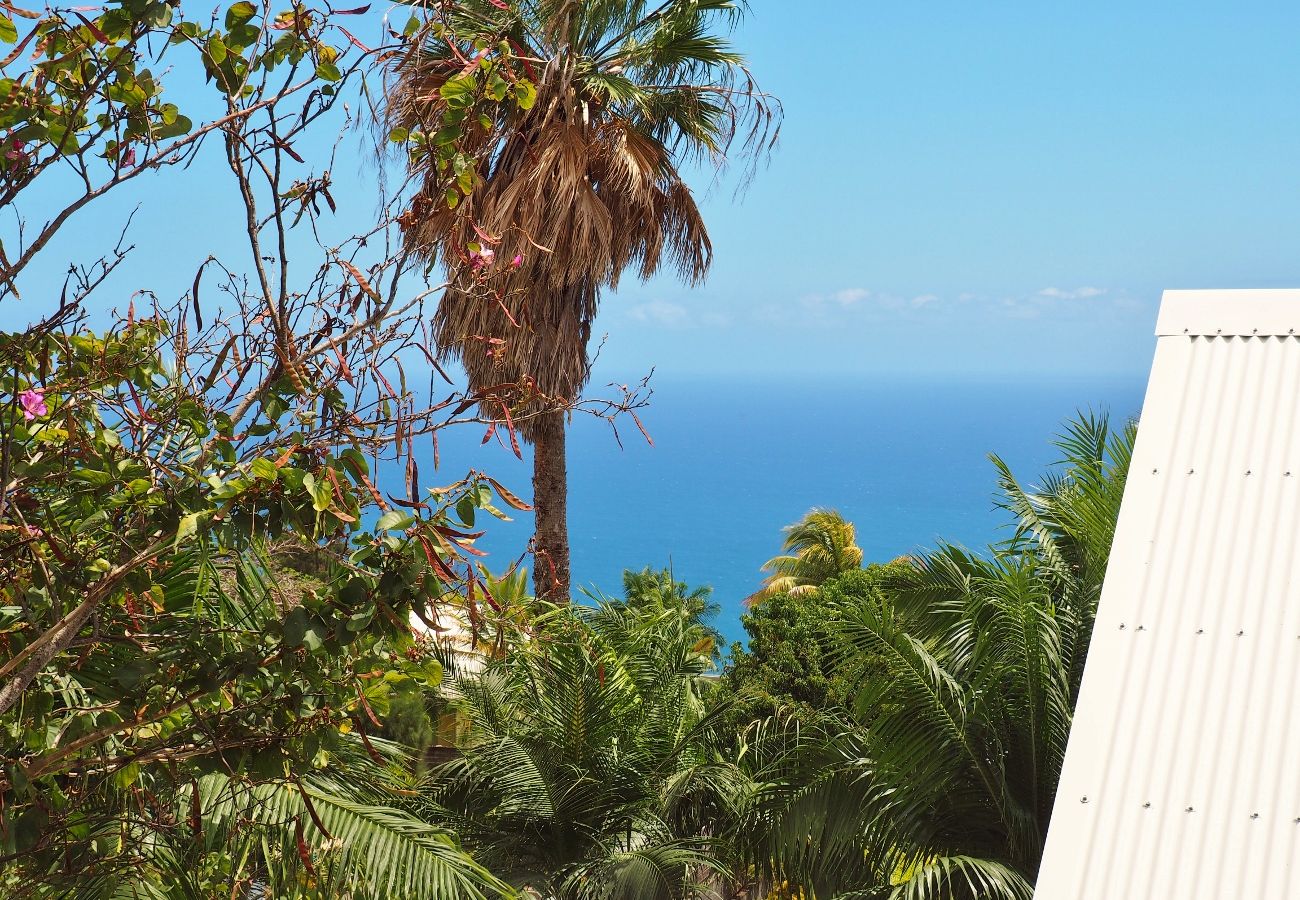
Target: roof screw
[1287,474]
[1200,631]
[1240,633]
[1254,815]
[1155,471]
[1189,809]
[1142,628]
[1083,799]
[1297,821]
[1191,471]
[1122,626]
[1248,471]
[1290,331]
[1146,805]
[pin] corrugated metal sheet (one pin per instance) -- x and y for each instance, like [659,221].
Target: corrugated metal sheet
[1182,774]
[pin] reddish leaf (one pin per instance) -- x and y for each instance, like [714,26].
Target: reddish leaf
[507,497]
[646,434]
[453,533]
[510,428]
[303,853]
[361,280]
[435,562]
[356,43]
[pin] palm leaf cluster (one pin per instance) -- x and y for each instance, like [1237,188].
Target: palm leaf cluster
[939,781]
[819,546]
[591,770]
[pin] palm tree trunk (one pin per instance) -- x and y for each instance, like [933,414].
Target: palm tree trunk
[550,500]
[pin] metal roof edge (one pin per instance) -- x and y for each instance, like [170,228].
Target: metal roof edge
[1229,312]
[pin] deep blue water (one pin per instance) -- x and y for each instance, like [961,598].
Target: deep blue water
[733,462]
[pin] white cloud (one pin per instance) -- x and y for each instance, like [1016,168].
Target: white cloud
[851,296]
[660,312]
[846,305]
[667,314]
[1080,293]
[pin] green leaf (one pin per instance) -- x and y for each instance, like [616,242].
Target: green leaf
[264,469]
[216,50]
[465,509]
[525,94]
[322,495]
[327,71]
[8,31]
[239,13]
[158,14]
[188,527]
[178,126]
[395,520]
[295,626]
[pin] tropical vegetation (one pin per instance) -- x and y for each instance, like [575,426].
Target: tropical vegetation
[938,773]
[236,663]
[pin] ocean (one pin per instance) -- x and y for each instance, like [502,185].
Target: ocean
[734,461]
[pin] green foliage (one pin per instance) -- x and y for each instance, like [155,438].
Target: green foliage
[408,721]
[796,662]
[148,639]
[592,768]
[650,595]
[819,546]
[939,781]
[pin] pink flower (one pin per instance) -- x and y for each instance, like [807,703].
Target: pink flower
[128,158]
[33,403]
[481,259]
[517,261]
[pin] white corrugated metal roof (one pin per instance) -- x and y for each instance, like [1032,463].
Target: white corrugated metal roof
[1182,774]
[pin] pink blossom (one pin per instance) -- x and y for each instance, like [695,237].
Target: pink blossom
[128,158]
[481,259]
[517,261]
[33,403]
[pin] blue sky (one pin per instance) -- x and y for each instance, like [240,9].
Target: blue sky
[960,189]
[991,187]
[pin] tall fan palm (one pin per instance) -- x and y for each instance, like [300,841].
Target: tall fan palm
[819,546]
[576,189]
[939,784]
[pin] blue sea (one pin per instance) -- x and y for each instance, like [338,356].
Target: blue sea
[734,461]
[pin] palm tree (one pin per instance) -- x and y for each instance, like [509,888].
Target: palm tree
[939,783]
[591,769]
[819,546]
[653,594]
[573,191]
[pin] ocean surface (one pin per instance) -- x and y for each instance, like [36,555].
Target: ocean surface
[735,461]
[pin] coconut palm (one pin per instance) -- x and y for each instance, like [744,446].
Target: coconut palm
[939,783]
[819,546]
[581,186]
